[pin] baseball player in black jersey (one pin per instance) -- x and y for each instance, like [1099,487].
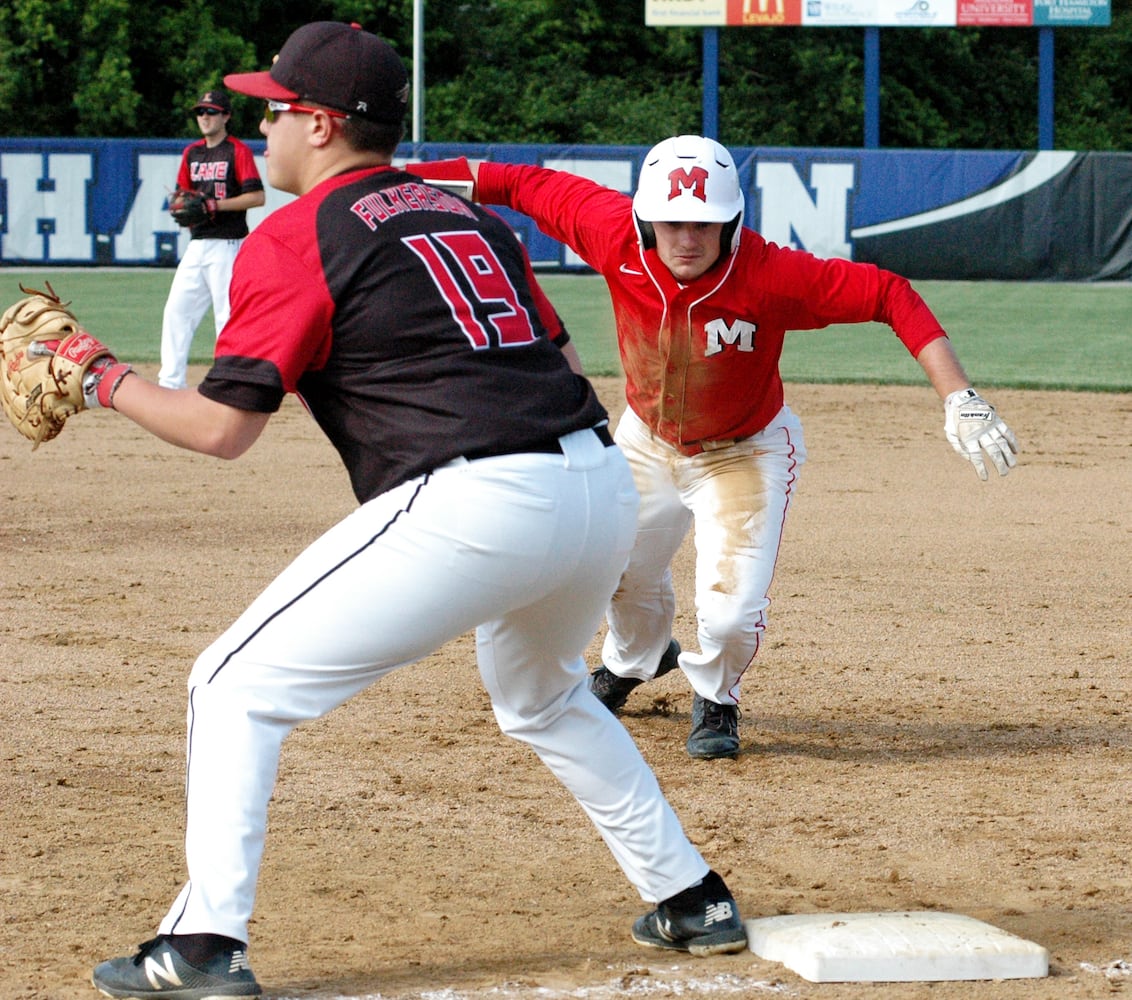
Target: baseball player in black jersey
[222,168]
[491,497]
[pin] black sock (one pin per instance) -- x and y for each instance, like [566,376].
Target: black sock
[690,899]
[197,949]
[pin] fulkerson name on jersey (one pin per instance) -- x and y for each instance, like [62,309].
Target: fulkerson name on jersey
[740,334]
[381,206]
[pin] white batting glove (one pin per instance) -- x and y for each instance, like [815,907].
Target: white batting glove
[972,427]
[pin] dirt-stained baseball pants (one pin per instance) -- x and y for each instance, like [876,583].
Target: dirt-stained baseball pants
[737,497]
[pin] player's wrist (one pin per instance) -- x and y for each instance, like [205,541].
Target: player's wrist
[101,382]
[959,396]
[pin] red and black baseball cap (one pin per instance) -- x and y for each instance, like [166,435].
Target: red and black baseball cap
[338,65]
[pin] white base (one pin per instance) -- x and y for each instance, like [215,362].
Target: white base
[894,947]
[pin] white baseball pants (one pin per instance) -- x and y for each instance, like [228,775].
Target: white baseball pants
[737,497]
[526,547]
[201,280]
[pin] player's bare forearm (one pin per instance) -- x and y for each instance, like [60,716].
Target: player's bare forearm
[942,366]
[241,202]
[185,418]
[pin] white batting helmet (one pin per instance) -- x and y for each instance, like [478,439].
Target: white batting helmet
[689,178]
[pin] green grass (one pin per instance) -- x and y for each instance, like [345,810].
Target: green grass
[122,307]
[1015,334]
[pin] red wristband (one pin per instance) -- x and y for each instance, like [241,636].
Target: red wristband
[109,382]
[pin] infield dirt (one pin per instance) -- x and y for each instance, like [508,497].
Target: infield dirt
[939,719]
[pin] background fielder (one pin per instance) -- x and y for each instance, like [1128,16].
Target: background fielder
[223,169]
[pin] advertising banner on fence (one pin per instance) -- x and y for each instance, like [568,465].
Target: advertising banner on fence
[1052,216]
[878,13]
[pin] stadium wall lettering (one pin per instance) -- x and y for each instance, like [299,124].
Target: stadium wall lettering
[928,214]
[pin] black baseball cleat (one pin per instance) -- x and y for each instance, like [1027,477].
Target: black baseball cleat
[703,920]
[612,691]
[715,730]
[158,971]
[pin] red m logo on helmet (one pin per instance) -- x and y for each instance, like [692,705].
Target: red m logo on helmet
[693,180]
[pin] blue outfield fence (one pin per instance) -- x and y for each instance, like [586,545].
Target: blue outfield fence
[927,214]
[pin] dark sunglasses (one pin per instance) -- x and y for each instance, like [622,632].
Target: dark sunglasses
[207,111]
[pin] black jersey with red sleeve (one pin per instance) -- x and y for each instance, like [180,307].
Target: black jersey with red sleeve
[221,171]
[401,314]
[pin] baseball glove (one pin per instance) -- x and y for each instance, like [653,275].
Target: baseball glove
[50,367]
[191,208]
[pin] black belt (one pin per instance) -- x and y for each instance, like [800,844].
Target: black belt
[551,446]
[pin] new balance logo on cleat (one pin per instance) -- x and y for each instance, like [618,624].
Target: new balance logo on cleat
[701,920]
[158,971]
[717,912]
[161,972]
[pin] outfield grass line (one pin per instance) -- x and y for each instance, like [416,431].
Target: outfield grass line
[1061,336]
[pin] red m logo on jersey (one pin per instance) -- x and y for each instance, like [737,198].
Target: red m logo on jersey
[694,180]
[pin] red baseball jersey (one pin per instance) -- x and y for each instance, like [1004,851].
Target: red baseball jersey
[701,360]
